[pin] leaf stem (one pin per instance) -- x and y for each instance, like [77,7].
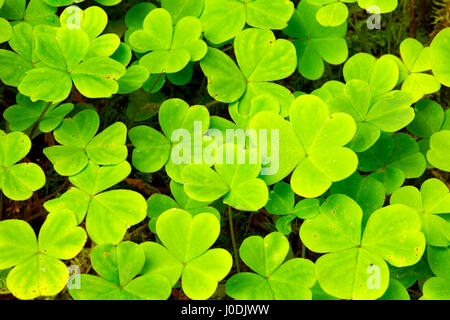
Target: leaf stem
[233,240]
[36,124]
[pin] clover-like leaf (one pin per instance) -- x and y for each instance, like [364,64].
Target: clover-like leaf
[186,8]
[186,252]
[313,40]
[25,113]
[389,112]
[34,12]
[436,288]
[261,58]
[79,144]
[311,144]
[65,59]
[355,266]
[439,260]
[37,268]
[395,291]
[18,181]
[92,21]
[440,61]
[429,118]
[15,64]
[281,202]
[133,79]
[183,129]
[417,59]
[330,12]
[234,177]
[381,74]
[430,202]
[439,153]
[118,267]
[108,214]
[367,191]
[7,30]
[171,47]
[397,156]
[234,14]
[378,6]
[160,203]
[275,278]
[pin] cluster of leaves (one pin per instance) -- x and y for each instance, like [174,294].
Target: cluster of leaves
[344,153]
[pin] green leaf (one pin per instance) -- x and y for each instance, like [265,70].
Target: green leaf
[151,148]
[289,149]
[95,179]
[196,234]
[186,8]
[96,77]
[356,268]
[135,16]
[439,58]
[63,52]
[234,14]
[108,147]
[60,237]
[110,215]
[389,112]
[6,27]
[80,144]
[432,200]
[384,6]
[13,67]
[46,84]
[367,191]
[274,279]
[37,269]
[171,47]
[18,181]
[322,136]
[417,59]
[346,274]
[201,275]
[74,200]
[187,240]
[226,83]
[133,79]
[25,113]
[333,14]
[381,74]
[281,199]
[397,156]
[312,41]
[17,242]
[436,288]
[14,146]
[429,117]
[394,233]
[92,21]
[233,177]
[337,227]
[439,152]
[262,57]
[439,260]
[395,291]
[118,266]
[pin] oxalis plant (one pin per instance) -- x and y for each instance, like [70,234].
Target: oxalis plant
[212,149]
